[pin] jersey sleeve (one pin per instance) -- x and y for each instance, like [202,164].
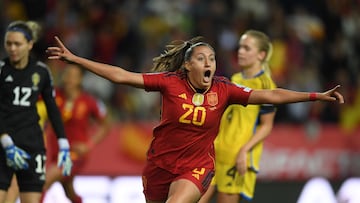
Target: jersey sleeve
[154,81]
[268,108]
[48,95]
[239,94]
[2,126]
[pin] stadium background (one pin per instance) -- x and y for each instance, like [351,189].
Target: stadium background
[316,45]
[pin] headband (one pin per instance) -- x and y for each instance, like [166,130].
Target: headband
[25,32]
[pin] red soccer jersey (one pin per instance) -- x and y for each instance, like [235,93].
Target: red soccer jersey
[77,117]
[189,121]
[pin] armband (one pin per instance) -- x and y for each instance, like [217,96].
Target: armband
[312,96]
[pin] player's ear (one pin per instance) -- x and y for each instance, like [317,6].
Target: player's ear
[262,55]
[187,66]
[31,44]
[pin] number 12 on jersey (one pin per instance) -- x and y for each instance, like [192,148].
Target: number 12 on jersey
[22,95]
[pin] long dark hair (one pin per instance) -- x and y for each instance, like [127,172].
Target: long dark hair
[176,53]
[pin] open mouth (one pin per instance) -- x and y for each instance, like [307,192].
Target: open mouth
[207,76]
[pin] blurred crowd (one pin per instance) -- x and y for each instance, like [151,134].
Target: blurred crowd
[316,44]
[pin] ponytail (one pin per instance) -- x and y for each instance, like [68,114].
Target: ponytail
[175,54]
[35,29]
[266,62]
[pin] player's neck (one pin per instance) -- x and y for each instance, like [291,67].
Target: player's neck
[251,72]
[72,94]
[197,90]
[20,64]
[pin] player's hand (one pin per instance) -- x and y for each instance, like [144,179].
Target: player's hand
[60,52]
[241,162]
[16,157]
[64,159]
[81,149]
[331,95]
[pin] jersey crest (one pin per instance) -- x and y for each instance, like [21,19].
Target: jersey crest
[212,98]
[35,78]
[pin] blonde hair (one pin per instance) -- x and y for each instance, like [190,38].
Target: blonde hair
[264,44]
[30,29]
[176,53]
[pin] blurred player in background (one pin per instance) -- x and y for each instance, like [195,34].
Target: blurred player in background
[180,162]
[80,113]
[23,79]
[239,144]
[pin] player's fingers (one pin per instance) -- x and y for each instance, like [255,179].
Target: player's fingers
[241,171]
[339,97]
[329,98]
[60,42]
[24,154]
[21,163]
[60,163]
[53,52]
[24,164]
[331,91]
[336,87]
[67,170]
[241,168]
[53,49]
[54,57]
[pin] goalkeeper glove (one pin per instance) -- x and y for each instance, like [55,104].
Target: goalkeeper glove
[64,160]
[15,156]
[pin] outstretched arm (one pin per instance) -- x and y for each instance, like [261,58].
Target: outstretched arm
[112,73]
[283,96]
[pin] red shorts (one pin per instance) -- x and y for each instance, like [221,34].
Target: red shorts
[156,181]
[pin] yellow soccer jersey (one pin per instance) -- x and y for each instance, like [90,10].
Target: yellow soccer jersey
[238,123]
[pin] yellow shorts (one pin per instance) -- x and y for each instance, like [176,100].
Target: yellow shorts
[228,180]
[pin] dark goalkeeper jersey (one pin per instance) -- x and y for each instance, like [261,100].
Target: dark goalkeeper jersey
[19,92]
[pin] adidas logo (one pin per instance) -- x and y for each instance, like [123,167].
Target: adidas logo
[183,95]
[9,78]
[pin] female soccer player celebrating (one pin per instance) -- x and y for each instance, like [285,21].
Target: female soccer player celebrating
[23,80]
[180,161]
